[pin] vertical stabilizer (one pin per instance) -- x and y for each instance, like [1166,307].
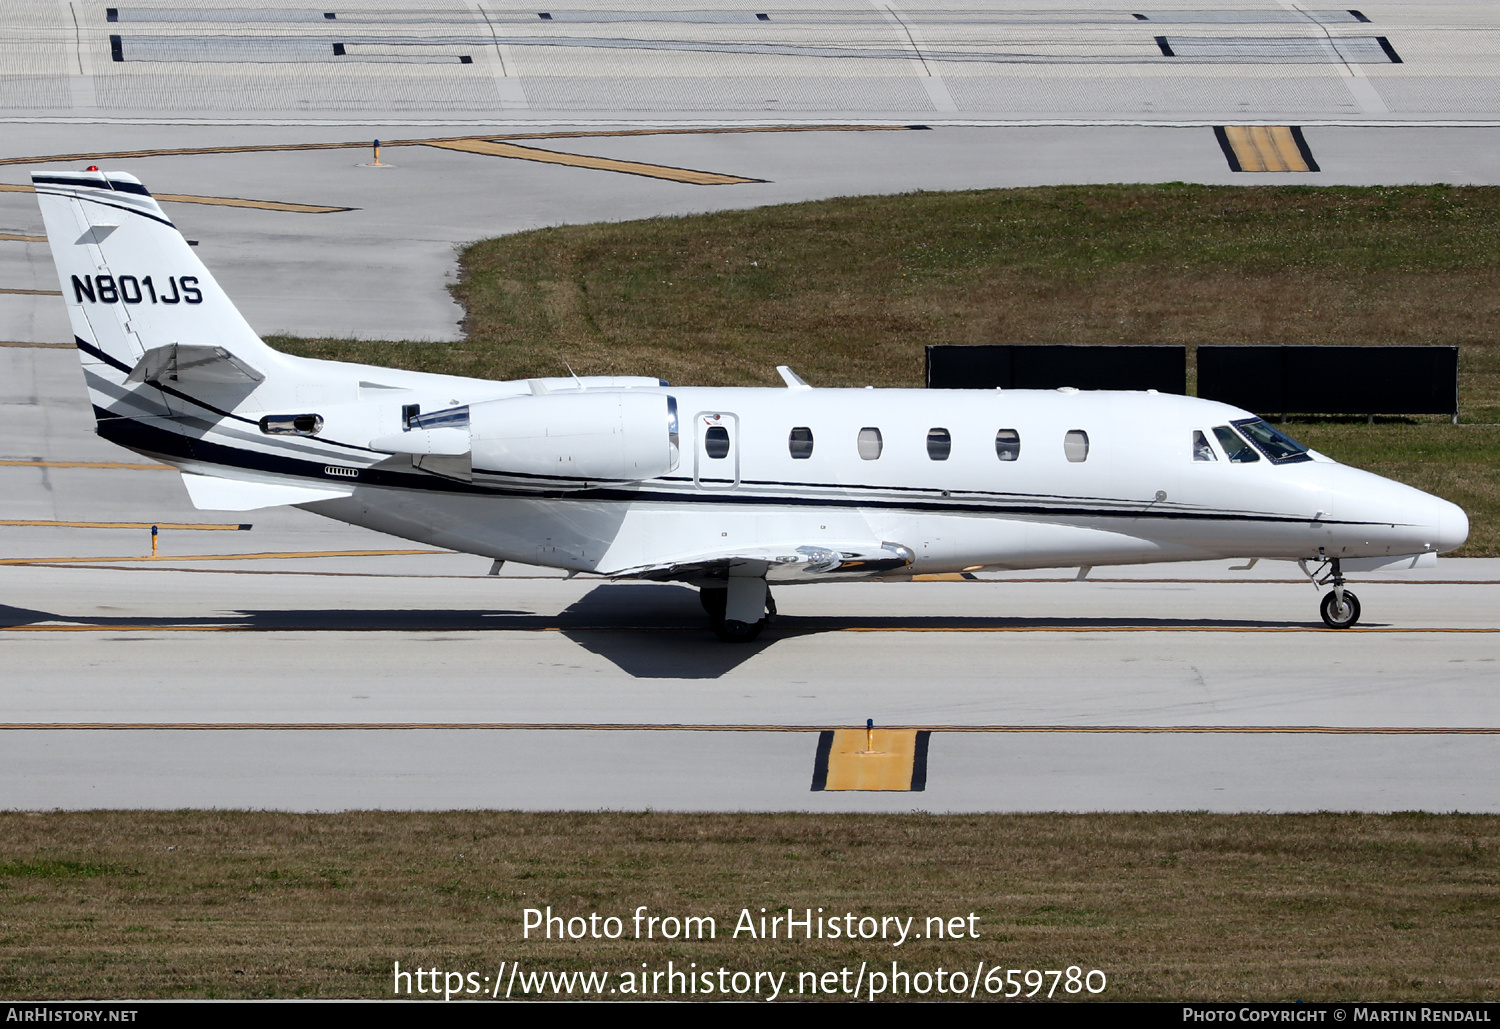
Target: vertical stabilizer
[130,281]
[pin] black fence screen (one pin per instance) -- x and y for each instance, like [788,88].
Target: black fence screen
[1048,366]
[1278,380]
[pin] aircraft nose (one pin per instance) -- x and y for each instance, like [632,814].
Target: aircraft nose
[1452,526]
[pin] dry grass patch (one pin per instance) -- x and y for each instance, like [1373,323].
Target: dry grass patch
[1182,906]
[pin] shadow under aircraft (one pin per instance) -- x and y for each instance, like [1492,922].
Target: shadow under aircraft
[647,630]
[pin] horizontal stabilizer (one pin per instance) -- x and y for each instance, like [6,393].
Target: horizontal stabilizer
[424,442]
[211,493]
[182,362]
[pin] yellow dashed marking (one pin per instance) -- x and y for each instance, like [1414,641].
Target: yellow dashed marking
[1266,148]
[14,238]
[492,148]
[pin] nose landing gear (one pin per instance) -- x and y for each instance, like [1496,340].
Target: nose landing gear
[1339,612]
[1340,608]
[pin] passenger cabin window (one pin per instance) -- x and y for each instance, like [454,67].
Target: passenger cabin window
[800,443]
[939,444]
[1076,445]
[1238,451]
[870,443]
[1007,444]
[1201,449]
[716,442]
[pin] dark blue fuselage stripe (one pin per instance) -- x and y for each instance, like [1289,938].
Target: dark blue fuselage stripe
[163,443]
[91,349]
[89,182]
[105,203]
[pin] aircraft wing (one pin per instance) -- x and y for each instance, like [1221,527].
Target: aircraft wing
[812,562]
[213,493]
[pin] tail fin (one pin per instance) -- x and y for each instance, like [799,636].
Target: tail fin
[130,280]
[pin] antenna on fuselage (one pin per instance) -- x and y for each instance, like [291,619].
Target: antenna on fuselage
[576,379]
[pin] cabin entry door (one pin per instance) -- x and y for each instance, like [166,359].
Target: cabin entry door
[716,450]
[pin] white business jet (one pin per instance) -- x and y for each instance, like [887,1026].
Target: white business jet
[726,489]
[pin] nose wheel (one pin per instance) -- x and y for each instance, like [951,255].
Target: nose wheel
[1339,612]
[1340,608]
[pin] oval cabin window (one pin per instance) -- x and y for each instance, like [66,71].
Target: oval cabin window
[939,444]
[1076,445]
[870,443]
[800,443]
[716,442]
[1007,444]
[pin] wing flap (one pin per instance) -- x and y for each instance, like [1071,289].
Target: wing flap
[786,563]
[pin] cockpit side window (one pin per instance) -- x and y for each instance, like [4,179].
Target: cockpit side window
[1202,450]
[1272,442]
[1238,451]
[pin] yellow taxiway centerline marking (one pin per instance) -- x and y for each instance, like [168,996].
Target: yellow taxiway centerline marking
[15,238]
[33,292]
[182,198]
[488,145]
[268,556]
[1314,730]
[800,630]
[364,144]
[240,526]
[88,464]
[493,148]
[260,205]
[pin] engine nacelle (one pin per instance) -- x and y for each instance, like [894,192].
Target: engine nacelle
[578,438]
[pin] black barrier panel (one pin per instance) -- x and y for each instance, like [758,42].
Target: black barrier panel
[1331,380]
[1048,366]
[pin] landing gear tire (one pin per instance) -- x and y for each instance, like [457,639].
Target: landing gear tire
[1337,616]
[731,631]
[716,601]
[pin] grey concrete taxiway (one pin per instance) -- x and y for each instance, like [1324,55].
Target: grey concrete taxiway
[280,660]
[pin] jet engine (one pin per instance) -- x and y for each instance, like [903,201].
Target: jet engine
[594,436]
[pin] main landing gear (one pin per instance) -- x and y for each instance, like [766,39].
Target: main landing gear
[747,598]
[1340,608]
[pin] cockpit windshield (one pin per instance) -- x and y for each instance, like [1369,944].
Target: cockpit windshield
[1272,442]
[1235,448]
